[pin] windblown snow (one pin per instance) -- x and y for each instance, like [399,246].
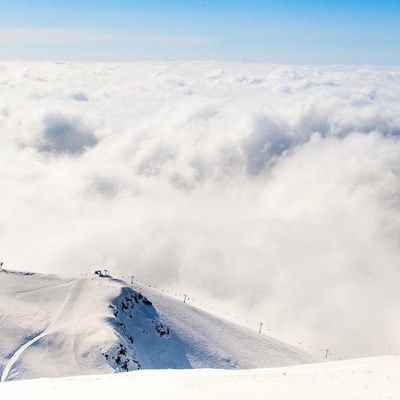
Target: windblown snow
[53,327]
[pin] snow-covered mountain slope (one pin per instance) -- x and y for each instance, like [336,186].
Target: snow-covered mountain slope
[367,379]
[211,342]
[52,326]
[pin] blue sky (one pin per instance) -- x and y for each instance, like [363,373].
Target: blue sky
[280,31]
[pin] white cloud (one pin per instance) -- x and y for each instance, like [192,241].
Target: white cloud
[63,134]
[272,188]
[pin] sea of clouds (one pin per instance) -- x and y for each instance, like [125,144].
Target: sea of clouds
[273,189]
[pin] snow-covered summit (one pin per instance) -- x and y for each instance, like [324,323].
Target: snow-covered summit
[53,326]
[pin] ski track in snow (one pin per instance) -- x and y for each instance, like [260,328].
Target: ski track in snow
[17,354]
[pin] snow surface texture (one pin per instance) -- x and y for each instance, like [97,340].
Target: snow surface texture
[52,326]
[363,379]
[274,190]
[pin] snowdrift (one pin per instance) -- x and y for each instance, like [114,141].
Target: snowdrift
[54,327]
[367,379]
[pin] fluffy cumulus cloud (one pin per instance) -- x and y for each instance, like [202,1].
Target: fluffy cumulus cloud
[272,189]
[65,135]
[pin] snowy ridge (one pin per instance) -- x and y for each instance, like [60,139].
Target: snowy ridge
[212,342]
[53,326]
[316,351]
[367,379]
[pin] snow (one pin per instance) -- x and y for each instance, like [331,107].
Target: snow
[50,326]
[367,379]
[86,329]
[53,327]
[212,341]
